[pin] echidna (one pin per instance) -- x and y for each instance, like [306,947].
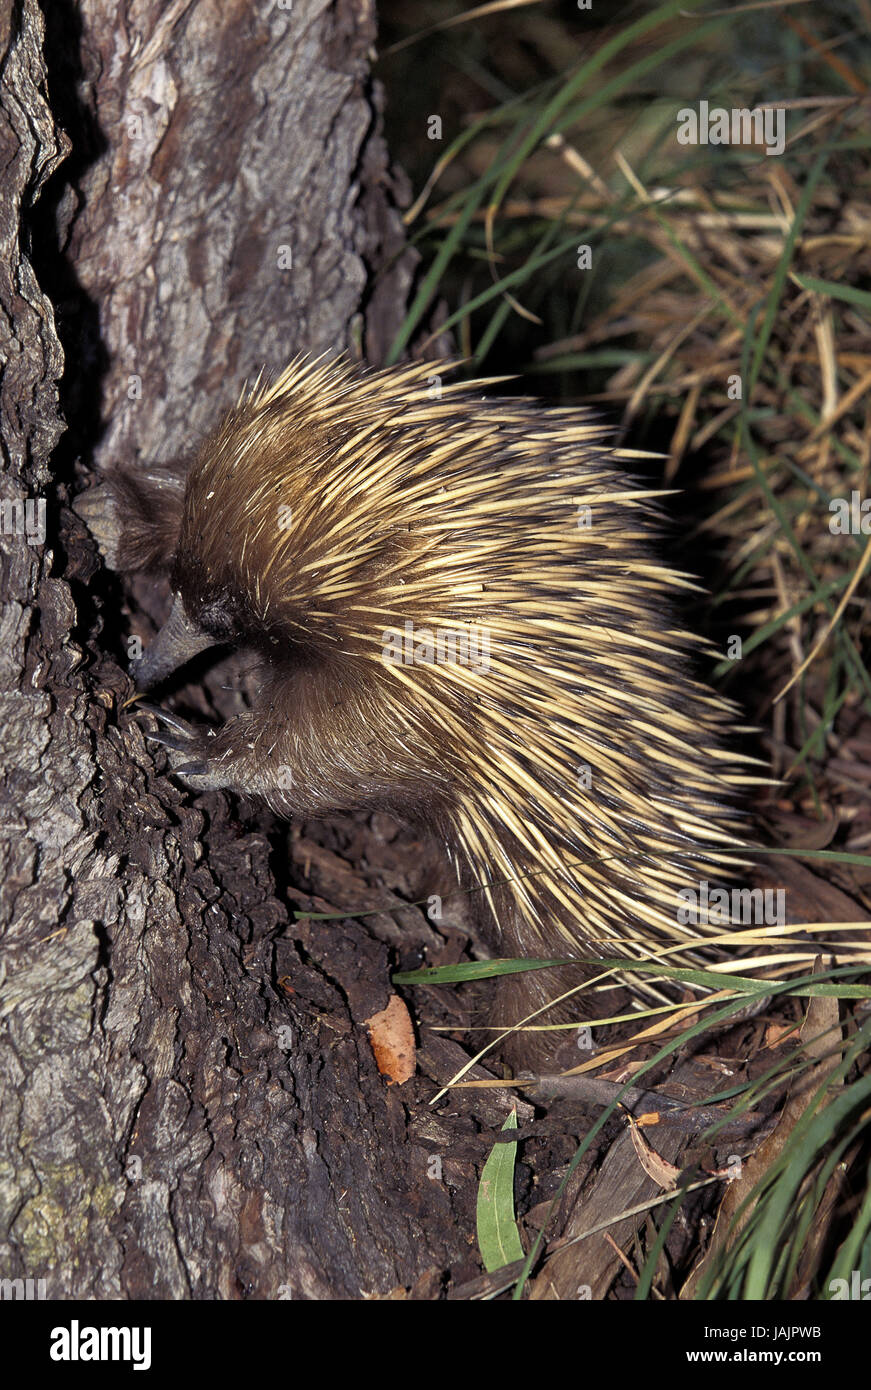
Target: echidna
[462,620]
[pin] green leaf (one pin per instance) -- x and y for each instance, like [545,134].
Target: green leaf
[477,970]
[498,1237]
[848,293]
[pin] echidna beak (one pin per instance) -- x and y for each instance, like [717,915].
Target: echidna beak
[177,641]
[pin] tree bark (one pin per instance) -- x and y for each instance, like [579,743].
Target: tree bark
[189,1105]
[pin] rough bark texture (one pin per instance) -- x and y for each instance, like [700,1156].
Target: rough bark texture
[189,1106]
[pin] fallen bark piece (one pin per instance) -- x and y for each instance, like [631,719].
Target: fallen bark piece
[392,1037]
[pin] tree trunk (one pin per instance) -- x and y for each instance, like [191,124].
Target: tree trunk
[189,1104]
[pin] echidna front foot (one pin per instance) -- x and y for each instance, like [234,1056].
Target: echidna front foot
[193,766]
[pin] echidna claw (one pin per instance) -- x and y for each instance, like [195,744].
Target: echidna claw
[180,743]
[172,721]
[201,777]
